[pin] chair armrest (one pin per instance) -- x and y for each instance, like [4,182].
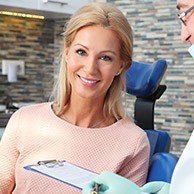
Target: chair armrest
[161,167]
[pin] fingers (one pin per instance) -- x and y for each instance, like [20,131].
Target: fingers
[111,183]
[87,189]
[116,184]
[157,187]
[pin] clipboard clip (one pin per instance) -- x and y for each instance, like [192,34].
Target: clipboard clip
[51,163]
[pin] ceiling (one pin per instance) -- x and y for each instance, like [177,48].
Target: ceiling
[40,8]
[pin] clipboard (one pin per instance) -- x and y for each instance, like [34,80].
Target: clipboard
[64,171]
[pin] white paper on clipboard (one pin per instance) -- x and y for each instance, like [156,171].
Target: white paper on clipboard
[67,173]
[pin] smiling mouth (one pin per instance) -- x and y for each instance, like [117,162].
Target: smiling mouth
[88,82]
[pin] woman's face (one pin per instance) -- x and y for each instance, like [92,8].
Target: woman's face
[93,60]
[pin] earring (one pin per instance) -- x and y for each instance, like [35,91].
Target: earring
[118,73]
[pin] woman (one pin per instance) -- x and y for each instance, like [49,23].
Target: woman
[85,125]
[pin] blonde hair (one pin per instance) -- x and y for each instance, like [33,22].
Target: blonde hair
[109,17]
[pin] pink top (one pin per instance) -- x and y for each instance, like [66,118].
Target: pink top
[35,133]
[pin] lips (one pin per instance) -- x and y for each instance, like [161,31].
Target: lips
[88,82]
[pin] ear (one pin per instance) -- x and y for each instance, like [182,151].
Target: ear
[121,69]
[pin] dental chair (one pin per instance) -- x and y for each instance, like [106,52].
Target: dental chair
[143,81]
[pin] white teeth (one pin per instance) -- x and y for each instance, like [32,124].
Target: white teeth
[88,81]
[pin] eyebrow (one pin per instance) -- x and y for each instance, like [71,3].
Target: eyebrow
[110,51]
[78,44]
[180,5]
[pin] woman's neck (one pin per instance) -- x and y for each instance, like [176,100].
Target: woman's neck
[86,113]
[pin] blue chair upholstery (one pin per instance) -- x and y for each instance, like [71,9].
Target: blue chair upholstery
[159,141]
[161,167]
[162,163]
[148,77]
[143,81]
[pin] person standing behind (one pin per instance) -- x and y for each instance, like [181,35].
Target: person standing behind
[183,175]
[182,181]
[86,124]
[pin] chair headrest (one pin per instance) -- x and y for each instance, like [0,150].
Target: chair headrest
[142,79]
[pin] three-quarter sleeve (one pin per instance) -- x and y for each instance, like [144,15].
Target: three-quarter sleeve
[135,168]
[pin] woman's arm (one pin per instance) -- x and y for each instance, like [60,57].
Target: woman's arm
[135,168]
[9,155]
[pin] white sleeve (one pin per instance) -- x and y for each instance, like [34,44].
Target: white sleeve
[183,175]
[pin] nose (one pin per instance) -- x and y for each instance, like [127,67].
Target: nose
[91,66]
[185,35]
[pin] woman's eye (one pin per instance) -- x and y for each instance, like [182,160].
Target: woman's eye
[106,58]
[80,52]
